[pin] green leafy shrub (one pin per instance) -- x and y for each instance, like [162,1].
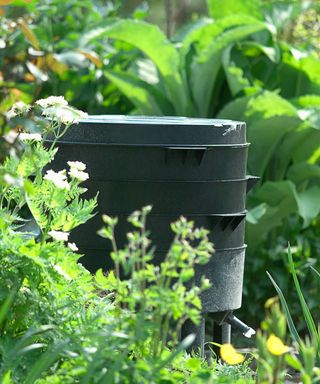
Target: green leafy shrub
[44,52]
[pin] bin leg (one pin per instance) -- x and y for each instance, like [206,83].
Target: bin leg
[199,331]
[221,335]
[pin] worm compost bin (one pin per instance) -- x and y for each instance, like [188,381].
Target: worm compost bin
[180,166]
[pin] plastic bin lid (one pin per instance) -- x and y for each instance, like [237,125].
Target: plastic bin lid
[155,130]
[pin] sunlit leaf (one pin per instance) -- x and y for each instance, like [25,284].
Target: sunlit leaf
[92,56]
[29,34]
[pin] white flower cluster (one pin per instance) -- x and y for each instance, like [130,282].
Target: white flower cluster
[63,236]
[30,137]
[59,236]
[76,170]
[59,179]
[52,101]
[56,107]
[17,109]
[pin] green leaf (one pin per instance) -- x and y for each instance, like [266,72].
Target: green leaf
[306,312]
[270,104]
[7,378]
[280,200]
[290,322]
[207,63]
[293,362]
[5,307]
[302,171]
[309,204]
[256,213]
[235,109]
[146,97]
[153,43]
[309,101]
[194,364]
[222,8]
[254,49]
[265,136]
[315,271]
[234,75]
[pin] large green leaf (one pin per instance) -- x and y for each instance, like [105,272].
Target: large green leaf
[234,75]
[207,63]
[273,202]
[146,98]
[309,204]
[279,199]
[270,118]
[203,33]
[270,104]
[296,147]
[234,110]
[153,43]
[298,74]
[302,171]
[264,136]
[222,8]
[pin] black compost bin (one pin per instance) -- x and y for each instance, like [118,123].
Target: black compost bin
[181,166]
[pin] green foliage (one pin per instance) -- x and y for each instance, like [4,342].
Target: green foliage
[271,365]
[309,348]
[43,53]
[310,323]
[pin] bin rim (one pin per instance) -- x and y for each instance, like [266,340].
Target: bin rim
[159,120]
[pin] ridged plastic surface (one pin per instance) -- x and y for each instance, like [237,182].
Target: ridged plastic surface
[180,166]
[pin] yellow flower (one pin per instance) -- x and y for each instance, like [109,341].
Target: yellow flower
[230,355]
[276,346]
[271,301]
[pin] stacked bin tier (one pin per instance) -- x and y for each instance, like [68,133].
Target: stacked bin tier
[182,167]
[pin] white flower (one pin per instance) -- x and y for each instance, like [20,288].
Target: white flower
[59,179]
[17,109]
[30,137]
[73,247]
[80,175]
[62,272]
[77,165]
[52,100]
[59,236]
[64,113]
[11,137]
[11,114]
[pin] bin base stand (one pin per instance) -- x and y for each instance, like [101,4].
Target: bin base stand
[218,326]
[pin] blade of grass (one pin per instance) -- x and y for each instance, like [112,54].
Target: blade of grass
[315,271]
[290,322]
[305,309]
